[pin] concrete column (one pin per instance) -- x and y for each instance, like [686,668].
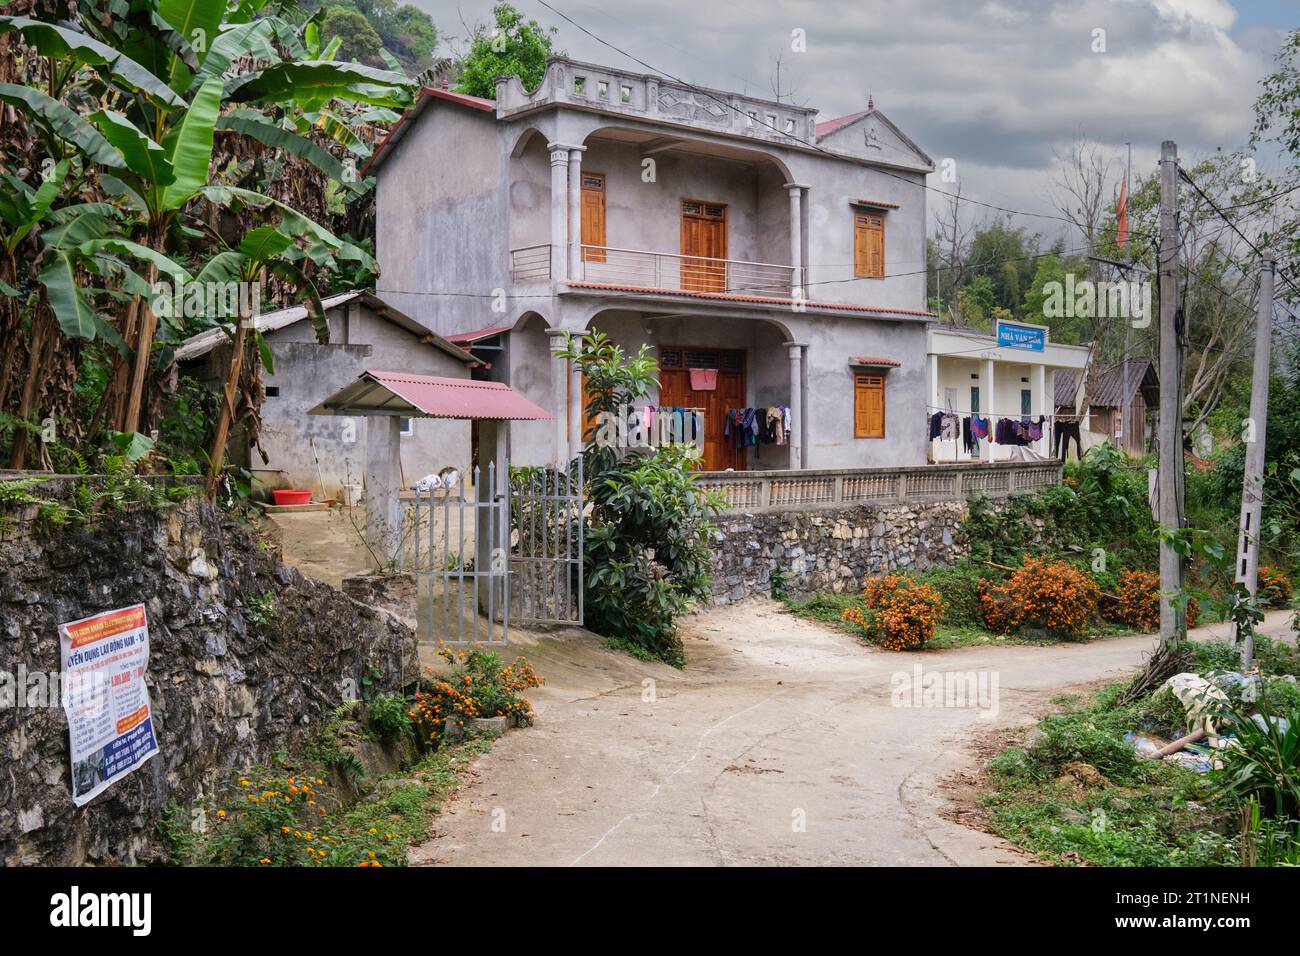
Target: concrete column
[576,406]
[560,399]
[1039,406]
[933,399]
[795,438]
[987,402]
[805,442]
[796,237]
[575,211]
[383,477]
[559,209]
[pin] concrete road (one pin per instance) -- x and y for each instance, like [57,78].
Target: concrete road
[782,743]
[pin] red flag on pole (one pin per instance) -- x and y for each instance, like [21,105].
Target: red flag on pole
[1121,216]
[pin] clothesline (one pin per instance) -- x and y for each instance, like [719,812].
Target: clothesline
[983,414]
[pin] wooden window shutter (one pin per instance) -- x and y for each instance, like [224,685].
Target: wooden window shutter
[868,406]
[868,246]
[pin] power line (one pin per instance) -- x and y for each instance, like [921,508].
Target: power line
[1222,215]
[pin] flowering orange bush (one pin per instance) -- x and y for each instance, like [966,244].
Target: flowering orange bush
[275,818]
[1139,602]
[1274,588]
[901,613]
[479,687]
[1053,595]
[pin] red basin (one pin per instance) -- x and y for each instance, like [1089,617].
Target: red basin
[292,496]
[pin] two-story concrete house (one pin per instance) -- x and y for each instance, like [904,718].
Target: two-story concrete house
[770,260]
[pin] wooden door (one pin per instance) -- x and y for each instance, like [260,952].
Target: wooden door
[868,245]
[593,216]
[704,246]
[868,406]
[719,452]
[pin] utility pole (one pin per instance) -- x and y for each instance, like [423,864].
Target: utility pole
[1252,484]
[1173,625]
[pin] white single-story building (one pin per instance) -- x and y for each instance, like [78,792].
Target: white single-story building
[1008,374]
[327,454]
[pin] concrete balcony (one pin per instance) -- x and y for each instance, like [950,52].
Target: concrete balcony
[591,87]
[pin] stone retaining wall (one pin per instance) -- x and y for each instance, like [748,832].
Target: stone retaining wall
[832,549]
[248,658]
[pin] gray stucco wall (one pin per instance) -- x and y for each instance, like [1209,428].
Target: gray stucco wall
[307,372]
[463,188]
[442,209]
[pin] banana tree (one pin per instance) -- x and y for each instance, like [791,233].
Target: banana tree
[162,87]
[274,249]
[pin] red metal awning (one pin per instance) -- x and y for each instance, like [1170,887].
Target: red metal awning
[469,338]
[427,396]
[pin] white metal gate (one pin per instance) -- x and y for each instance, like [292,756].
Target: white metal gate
[497,549]
[546,543]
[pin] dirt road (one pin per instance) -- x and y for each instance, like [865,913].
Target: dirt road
[782,743]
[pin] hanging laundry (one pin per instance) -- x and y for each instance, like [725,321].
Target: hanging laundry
[704,379]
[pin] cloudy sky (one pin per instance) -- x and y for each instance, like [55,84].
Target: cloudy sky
[995,85]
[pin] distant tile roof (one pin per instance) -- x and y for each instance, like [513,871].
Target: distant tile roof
[757,299]
[873,203]
[1108,385]
[831,125]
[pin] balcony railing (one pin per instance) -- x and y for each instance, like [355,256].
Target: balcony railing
[531,263]
[641,269]
[665,270]
[842,488]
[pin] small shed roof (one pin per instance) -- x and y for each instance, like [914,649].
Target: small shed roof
[197,346]
[1108,386]
[428,396]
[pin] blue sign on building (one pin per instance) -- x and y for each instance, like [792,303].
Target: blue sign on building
[1021,337]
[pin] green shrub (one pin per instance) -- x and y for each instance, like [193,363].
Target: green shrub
[1213,655]
[388,716]
[1265,763]
[959,586]
[650,527]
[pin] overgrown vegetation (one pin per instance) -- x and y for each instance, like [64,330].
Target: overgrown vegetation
[292,816]
[650,526]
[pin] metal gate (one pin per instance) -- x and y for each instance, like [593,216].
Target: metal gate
[497,549]
[546,543]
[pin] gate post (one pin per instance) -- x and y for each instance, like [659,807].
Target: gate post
[489,532]
[383,476]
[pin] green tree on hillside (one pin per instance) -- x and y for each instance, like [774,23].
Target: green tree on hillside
[513,47]
[359,40]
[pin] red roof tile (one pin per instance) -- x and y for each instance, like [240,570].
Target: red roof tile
[762,300]
[872,360]
[831,125]
[469,338]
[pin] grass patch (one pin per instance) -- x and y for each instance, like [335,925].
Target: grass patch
[1079,794]
[406,809]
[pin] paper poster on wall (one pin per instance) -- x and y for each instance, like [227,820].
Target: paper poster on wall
[110,722]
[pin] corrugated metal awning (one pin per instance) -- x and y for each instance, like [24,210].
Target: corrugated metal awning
[427,396]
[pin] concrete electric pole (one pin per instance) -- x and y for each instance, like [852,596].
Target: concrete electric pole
[1173,624]
[1252,485]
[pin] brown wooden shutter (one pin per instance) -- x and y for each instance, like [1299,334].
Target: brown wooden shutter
[868,406]
[593,216]
[868,246]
